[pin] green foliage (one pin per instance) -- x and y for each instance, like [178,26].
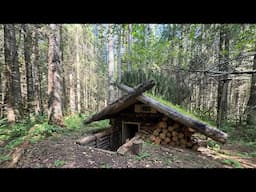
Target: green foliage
[46,130]
[102,123]
[4,137]
[250,145]
[19,130]
[249,134]
[5,158]
[166,84]
[213,145]
[74,121]
[105,166]
[59,163]
[141,156]
[232,162]
[3,122]
[178,108]
[40,118]
[14,143]
[168,161]
[253,154]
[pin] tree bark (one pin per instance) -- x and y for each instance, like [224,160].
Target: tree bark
[251,105]
[55,115]
[129,63]
[223,82]
[183,119]
[78,69]
[111,94]
[14,99]
[64,94]
[29,67]
[39,109]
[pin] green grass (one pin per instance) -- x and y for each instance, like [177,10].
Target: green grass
[14,143]
[5,158]
[105,165]
[180,109]
[102,123]
[213,145]
[74,121]
[232,162]
[141,156]
[59,163]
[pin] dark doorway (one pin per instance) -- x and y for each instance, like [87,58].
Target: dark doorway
[129,130]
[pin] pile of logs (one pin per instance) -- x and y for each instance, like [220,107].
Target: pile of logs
[99,140]
[174,134]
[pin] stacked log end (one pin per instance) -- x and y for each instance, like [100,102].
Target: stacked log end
[171,133]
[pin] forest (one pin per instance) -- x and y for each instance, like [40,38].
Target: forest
[54,76]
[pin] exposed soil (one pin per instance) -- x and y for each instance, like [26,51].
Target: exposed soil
[65,153]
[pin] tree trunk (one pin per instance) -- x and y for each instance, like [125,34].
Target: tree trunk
[37,77]
[111,94]
[29,67]
[119,60]
[14,100]
[251,105]
[64,94]
[55,115]
[129,63]
[78,70]
[223,82]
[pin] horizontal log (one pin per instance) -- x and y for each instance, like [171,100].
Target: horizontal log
[121,103]
[90,138]
[86,140]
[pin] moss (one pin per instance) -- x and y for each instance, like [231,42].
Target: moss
[179,109]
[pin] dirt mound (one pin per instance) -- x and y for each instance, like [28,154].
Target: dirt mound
[63,152]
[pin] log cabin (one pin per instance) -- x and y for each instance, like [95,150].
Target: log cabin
[135,112]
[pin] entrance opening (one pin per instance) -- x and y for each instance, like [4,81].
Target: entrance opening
[129,129]
[115,139]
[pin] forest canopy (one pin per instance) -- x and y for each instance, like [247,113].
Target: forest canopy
[205,68]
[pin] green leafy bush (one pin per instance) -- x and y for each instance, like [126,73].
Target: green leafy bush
[232,162]
[73,121]
[46,129]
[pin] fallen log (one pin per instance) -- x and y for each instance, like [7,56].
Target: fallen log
[86,140]
[94,137]
[126,147]
[121,103]
[201,127]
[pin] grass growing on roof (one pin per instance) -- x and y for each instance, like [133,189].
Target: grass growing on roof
[179,109]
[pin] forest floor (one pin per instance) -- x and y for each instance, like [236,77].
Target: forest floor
[62,152]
